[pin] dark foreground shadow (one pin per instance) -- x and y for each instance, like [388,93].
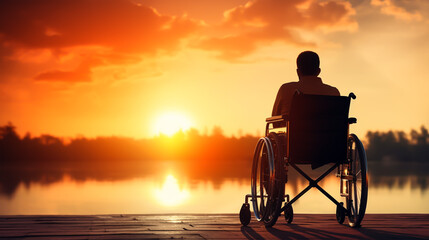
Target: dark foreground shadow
[249,233]
[380,234]
[300,232]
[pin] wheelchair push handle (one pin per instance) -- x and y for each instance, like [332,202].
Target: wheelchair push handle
[352,120]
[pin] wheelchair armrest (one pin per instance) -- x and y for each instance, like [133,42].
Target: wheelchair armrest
[279,118]
[352,120]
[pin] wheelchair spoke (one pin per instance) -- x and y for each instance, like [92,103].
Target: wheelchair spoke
[358,172]
[355,152]
[356,201]
[261,186]
[352,211]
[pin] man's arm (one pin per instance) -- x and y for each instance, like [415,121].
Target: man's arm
[277,108]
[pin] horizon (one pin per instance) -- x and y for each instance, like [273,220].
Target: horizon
[215,130]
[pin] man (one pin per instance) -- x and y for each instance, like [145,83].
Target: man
[308,64]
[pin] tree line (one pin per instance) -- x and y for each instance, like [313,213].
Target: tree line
[209,157]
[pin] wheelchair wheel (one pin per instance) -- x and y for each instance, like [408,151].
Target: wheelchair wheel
[358,186]
[340,214]
[289,214]
[262,169]
[276,193]
[245,214]
[267,181]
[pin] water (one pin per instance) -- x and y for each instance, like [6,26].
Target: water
[170,194]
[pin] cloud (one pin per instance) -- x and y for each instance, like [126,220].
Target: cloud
[119,27]
[266,21]
[390,8]
[60,36]
[81,74]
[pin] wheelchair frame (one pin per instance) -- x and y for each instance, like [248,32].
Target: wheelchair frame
[275,191]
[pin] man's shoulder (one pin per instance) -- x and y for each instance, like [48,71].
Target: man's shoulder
[325,89]
[332,90]
[289,85]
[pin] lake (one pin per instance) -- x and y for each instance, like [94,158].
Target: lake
[167,193]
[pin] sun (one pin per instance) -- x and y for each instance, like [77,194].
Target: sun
[170,193]
[171,122]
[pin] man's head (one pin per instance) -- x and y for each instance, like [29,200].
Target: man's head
[308,64]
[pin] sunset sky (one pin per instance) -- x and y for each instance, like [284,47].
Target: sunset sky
[118,67]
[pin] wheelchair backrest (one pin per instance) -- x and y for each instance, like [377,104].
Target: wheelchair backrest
[318,129]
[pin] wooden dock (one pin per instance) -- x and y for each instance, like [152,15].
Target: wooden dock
[211,226]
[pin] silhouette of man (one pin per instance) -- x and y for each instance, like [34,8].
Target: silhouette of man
[308,64]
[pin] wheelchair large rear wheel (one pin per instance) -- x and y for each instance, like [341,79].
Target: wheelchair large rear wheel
[276,193]
[267,187]
[260,180]
[358,185]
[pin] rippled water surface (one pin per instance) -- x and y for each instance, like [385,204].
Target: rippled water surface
[168,194]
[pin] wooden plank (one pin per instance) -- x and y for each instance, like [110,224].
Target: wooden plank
[211,226]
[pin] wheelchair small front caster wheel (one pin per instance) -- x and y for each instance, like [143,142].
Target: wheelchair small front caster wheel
[289,214]
[245,214]
[340,214]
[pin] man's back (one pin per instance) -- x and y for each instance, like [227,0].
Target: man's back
[309,83]
[306,85]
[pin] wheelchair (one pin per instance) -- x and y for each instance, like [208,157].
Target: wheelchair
[316,132]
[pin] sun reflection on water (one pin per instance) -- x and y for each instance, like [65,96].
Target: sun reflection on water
[172,196]
[170,193]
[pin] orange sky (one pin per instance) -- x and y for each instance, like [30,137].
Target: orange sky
[113,67]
